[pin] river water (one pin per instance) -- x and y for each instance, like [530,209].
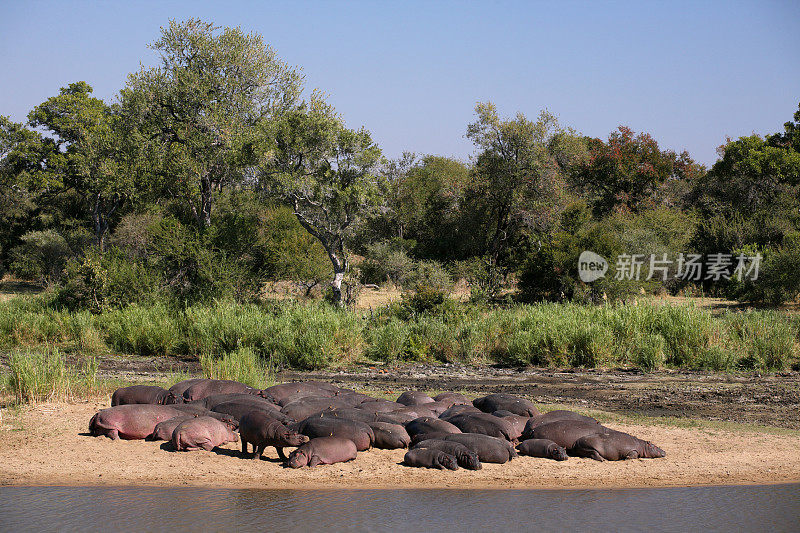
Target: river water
[730,508]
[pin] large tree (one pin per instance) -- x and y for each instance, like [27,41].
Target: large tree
[93,153]
[201,106]
[518,176]
[325,173]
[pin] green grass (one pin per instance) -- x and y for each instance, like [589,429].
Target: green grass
[43,375]
[316,336]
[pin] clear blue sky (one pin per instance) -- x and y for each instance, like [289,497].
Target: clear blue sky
[689,73]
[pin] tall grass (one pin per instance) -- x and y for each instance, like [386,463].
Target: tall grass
[242,364]
[319,336]
[43,375]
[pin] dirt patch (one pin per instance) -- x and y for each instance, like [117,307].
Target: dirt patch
[47,445]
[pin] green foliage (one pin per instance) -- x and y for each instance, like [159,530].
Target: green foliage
[242,365]
[41,256]
[43,375]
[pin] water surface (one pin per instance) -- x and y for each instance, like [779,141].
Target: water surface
[737,508]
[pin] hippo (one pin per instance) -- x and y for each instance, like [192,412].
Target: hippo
[261,430]
[459,409]
[453,398]
[163,430]
[202,432]
[615,446]
[143,394]
[284,393]
[359,432]
[302,409]
[489,449]
[506,402]
[485,424]
[566,432]
[430,458]
[238,408]
[517,421]
[348,413]
[428,424]
[206,388]
[130,422]
[438,435]
[413,397]
[465,457]
[179,388]
[380,406]
[390,436]
[542,448]
[552,416]
[395,417]
[323,451]
[417,411]
[209,402]
[437,408]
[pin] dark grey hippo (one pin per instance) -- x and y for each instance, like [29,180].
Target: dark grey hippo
[453,398]
[323,451]
[359,432]
[506,402]
[459,409]
[302,409]
[202,432]
[240,407]
[130,422]
[615,446]
[430,458]
[390,436]
[179,388]
[466,458]
[261,430]
[206,388]
[428,424]
[566,432]
[413,397]
[420,437]
[143,394]
[542,448]
[489,449]
[380,406]
[517,421]
[552,416]
[437,407]
[416,411]
[485,424]
[209,402]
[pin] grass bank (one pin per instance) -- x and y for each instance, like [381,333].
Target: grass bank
[235,339]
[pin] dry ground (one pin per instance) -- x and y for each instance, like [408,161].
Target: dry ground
[47,444]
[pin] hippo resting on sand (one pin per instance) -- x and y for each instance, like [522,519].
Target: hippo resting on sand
[238,408]
[489,449]
[458,410]
[358,432]
[413,397]
[542,448]
[163,430]
[453,398]
[566,432]
[506,402]
[180,387]
[302,409]
[143,394]
[389,436]
[427,424]
[430,458]
[553,416]
[284,393]
[323,451]
[486,424]
[465,457]
[202,432]
[261,430]
[130,422]
[206,388]
[615,446]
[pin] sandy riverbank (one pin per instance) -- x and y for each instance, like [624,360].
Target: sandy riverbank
[47,445]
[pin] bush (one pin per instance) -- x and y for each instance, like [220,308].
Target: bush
[41,256]
[242,364]
[142,330]
[648,352]
[43,375]
[386,261]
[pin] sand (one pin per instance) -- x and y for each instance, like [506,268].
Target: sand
[48,444]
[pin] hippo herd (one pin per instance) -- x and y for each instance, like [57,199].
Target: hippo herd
[327,424]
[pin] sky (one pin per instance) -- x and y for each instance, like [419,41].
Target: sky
[689,73]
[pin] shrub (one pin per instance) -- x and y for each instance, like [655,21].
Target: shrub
[648,352]
[41,256]
[143,330]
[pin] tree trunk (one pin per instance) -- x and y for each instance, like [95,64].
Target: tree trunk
[339,261]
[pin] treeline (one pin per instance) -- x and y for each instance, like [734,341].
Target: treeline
[213,173]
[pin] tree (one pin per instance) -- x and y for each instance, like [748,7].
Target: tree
[324,172]
[627,172]
[202,105]
[518,177]
[94,152]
